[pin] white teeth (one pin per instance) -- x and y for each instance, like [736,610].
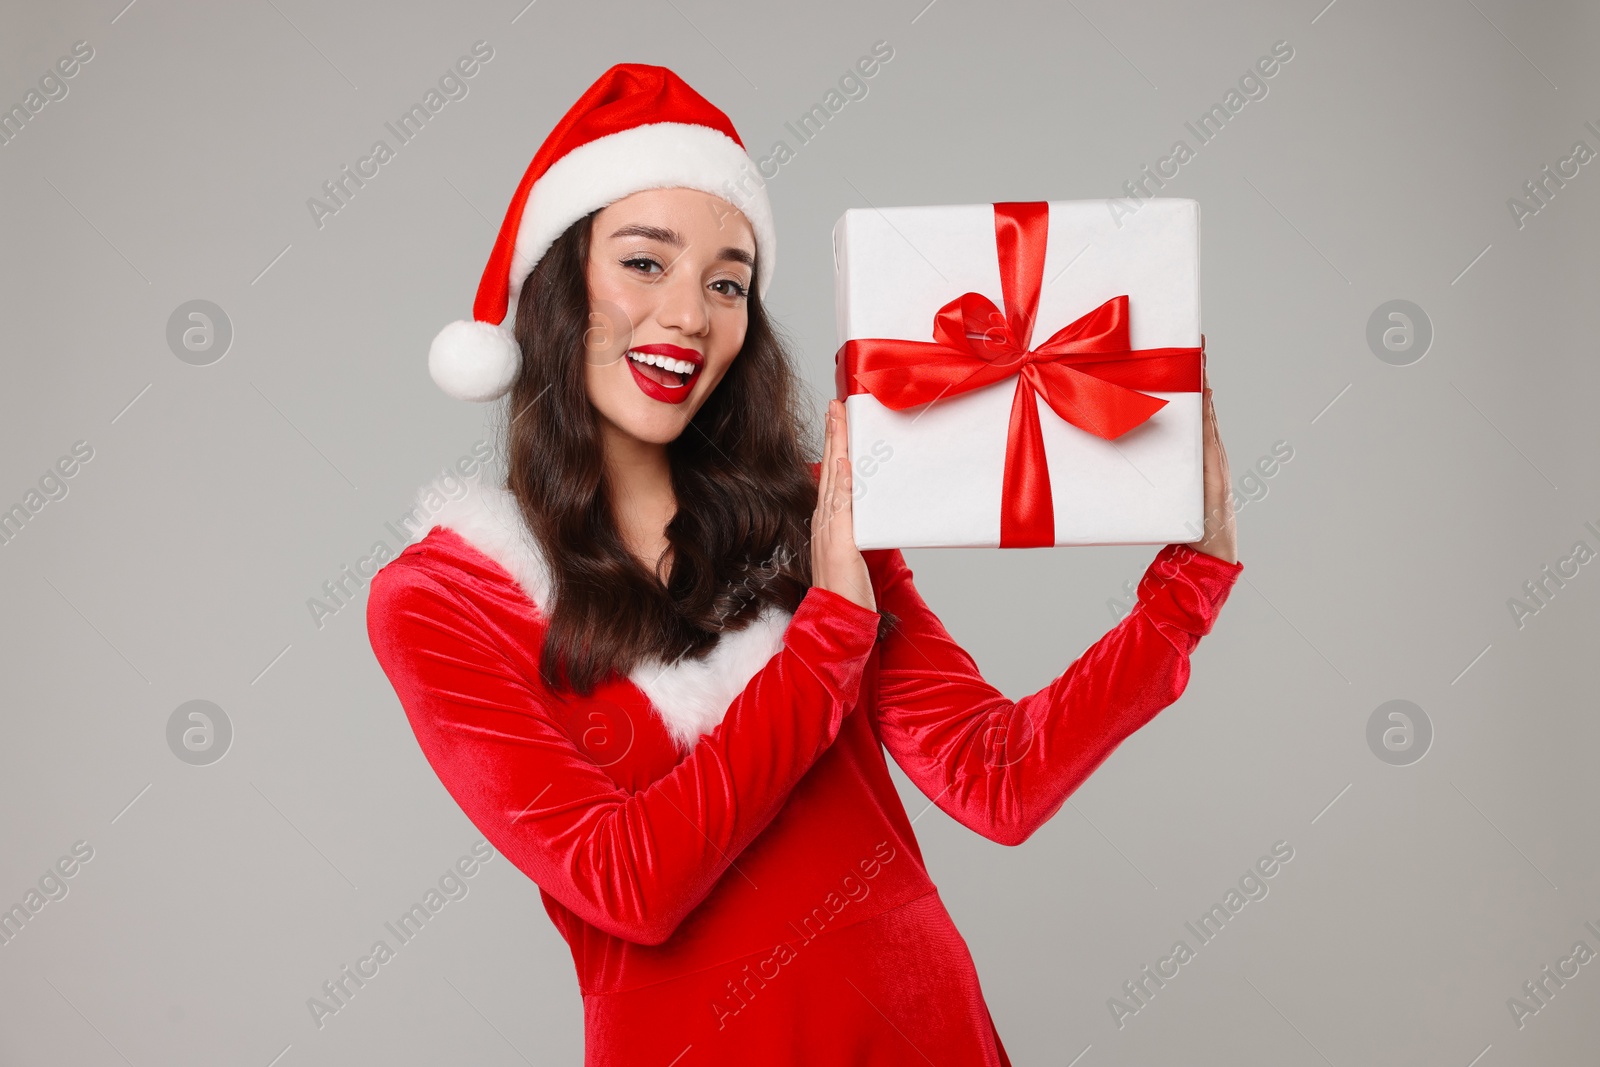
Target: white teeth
[681,366]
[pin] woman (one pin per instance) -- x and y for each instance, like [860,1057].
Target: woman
[657,674]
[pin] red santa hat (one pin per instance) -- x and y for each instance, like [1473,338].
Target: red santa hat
[637,127]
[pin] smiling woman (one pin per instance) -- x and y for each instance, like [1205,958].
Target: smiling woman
[657,673]
[672,279]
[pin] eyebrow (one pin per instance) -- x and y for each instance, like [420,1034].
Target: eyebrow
[675,239]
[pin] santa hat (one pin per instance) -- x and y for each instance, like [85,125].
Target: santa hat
[637,127]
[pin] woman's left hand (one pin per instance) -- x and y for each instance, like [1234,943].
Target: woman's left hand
[1221,535]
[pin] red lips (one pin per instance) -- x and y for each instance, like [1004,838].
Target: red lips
[670,394]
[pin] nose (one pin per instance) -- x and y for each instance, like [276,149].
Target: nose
[682,303]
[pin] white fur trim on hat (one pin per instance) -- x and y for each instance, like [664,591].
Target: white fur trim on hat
[657,155]
[473,360]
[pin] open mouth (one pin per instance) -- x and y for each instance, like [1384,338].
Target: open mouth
[663,370]
[661,374]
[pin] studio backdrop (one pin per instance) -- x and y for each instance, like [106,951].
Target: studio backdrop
[1366,833]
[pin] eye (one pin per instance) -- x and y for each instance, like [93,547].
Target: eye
[646,260]
[737,289]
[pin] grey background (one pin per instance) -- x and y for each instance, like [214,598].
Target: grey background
[1377,566]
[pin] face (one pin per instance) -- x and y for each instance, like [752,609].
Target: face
[669,275]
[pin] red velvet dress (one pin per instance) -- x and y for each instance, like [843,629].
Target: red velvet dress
[760,898]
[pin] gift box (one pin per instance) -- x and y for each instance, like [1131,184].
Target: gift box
[1022,374]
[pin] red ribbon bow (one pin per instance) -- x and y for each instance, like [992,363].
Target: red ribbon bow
[1087,371]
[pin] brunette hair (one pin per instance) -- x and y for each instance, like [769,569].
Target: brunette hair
[741,536]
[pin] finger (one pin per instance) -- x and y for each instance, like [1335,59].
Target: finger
[841,452]
[1216,432]
[1215,440]
[832,495]
[841,489]
[825,472]
[833,492]
[846,531]
[833,434]
[826,501]
[1211,423]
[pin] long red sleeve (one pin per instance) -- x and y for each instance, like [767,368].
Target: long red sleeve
[633,864]
[1003,767]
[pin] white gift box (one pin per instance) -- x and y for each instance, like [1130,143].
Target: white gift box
[931,476]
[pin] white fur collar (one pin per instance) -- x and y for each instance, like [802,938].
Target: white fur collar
[691,696]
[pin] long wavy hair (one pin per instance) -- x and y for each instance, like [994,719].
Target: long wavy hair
[741,538]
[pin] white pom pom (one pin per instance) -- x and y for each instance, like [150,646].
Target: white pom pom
[472,360]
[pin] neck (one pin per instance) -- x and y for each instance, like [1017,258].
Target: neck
[639,479]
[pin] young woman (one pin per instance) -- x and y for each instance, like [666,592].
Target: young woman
[657,674]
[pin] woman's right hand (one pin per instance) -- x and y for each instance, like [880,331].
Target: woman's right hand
[836,564]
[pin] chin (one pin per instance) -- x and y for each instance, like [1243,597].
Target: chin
[657,427]
[662,433]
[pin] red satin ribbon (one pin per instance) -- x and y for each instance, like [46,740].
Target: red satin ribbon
[1087,371]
